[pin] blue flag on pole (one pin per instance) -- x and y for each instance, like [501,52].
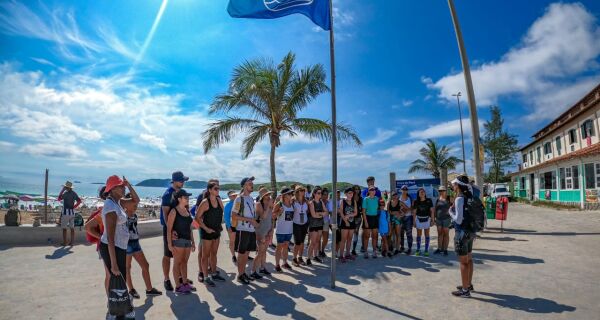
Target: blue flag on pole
[315,10]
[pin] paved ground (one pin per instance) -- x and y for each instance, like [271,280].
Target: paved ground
[544,266]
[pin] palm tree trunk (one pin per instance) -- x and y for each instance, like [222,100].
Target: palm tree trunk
[273,178]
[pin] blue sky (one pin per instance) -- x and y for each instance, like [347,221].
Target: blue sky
[88,90]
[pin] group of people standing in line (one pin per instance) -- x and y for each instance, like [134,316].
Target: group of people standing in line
[295,214]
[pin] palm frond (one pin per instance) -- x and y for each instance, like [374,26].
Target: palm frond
[321,130]
[304,87]
[257,134]
[223,130]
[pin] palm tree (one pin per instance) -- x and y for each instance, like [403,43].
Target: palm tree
[435,159]
[264,100]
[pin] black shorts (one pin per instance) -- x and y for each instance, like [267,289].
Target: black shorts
[373,222]
[245,241]
[121,255]
[315,229]
[167,252]
[300,232]
[210,236]
[463,242]
[344,226]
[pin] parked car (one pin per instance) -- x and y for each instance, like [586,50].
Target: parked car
[500,190]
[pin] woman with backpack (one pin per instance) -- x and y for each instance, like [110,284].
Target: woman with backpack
[318,211]
[179,222]
[463,239]
[134,250]
[406,220]
[423,219]
[442,221]
[114,240]
[209,216]
[358,219]
[264,211]
[347,212]
[94,229]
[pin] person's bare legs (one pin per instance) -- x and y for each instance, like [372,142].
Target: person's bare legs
[213,255]
[342,245]
[106,279]
[446,233]
[231,242]
[470,256]
[200,246]
[349,235]
[140,257]
[242,260]
[464,271]
[64,243]
[128,277]
[440,241]
[177,257]
[206,246]
[365,239]
[184,263]
[72,237]
[279,252]
[324,240]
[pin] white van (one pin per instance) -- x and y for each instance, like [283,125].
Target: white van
[499,190]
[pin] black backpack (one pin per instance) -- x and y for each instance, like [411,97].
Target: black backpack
[474,215]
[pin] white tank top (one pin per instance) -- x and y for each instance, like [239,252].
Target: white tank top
[300,213]
[285,224]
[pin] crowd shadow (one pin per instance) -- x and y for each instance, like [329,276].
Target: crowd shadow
[140,311]
[59,253]
[377,305]
[189,306]
[477,258]
[503,239]
[534,232]
[531,305]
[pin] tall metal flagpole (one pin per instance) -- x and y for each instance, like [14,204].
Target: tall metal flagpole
[462,134]
[333,146]
[470,95]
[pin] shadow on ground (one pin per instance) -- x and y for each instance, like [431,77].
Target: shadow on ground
[535,305]
[59,253]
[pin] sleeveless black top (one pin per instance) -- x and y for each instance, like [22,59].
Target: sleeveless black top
[213,217]
[182,226]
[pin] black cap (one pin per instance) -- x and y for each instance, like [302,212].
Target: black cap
[349,189]
[181,193]
[285,190]
[404,187]
[246,180]
[178,176]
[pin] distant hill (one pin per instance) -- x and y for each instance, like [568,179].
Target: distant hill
[236,186]
[163,183]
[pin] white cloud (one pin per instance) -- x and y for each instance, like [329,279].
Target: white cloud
[6,145]
[403,103]
[54,150]
[154,141]
[406,151]
[552,59]
[445,129]
[60,27]
[381,135]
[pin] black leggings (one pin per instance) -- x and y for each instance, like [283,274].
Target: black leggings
[121,259]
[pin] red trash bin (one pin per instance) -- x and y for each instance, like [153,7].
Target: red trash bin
[501,208]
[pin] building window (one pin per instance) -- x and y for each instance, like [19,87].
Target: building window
[563,183]
[523,180]
[558,146]
[568,178]
[531,156]
[587,129]
[538,152]
[572,136]
[598,175]
[525,158]
[547,148]
[590,179]
[575,177]
[549,179]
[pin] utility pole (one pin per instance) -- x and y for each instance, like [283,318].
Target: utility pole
[462,134]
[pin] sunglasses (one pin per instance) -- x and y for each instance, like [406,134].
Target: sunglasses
[216,188]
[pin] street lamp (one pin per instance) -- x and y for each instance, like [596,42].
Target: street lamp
[462,135]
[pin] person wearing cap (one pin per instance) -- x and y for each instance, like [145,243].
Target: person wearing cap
[347,212]
[209,216]
[283,212]
[178,179]
[300,224]
[179,222]
[442,221]
[318,211]
[229,223]
[70,201]
[245,237]
[264,212]
[406,219]
[370,221]
[115,238]
[463,240]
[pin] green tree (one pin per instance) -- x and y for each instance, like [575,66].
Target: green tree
[500,146]
[264,101]
[434,159]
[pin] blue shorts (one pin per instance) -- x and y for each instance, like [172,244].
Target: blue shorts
[133,246]
[281,238]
